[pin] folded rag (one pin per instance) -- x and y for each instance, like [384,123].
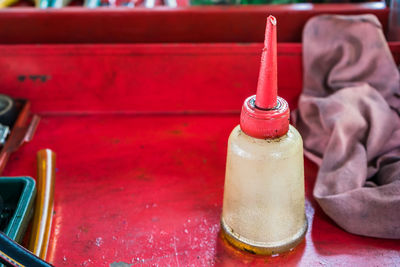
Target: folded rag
[349,118]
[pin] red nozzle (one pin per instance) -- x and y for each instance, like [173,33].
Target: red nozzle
[266,115]
[267,86]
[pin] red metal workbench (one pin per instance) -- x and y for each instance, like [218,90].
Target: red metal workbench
[209,24]
[140,133]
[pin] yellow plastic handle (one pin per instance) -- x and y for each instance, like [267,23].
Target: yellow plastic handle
[42,219]
[7,3]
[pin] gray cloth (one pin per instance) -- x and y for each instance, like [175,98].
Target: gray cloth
[349,118]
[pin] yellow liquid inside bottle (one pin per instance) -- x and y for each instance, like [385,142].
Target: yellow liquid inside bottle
[263,208]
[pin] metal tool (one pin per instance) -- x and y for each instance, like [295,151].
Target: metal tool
[92,3]
[43,3]
[8,110]
[20,134]
[170,3]
[59,3]
[149,3]
[4,132]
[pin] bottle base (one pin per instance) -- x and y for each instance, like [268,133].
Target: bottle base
[262,248]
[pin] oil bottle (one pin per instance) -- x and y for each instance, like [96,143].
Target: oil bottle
[263,206]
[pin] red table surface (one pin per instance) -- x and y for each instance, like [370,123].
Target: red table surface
[140,134]
[147,190]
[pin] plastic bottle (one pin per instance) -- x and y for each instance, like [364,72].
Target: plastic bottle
[263,208]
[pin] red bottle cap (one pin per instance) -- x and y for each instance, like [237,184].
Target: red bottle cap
[266,115]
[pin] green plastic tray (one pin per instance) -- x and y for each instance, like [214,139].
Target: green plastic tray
[18,195]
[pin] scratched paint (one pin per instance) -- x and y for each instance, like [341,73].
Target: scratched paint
[120,264]
[33,78]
